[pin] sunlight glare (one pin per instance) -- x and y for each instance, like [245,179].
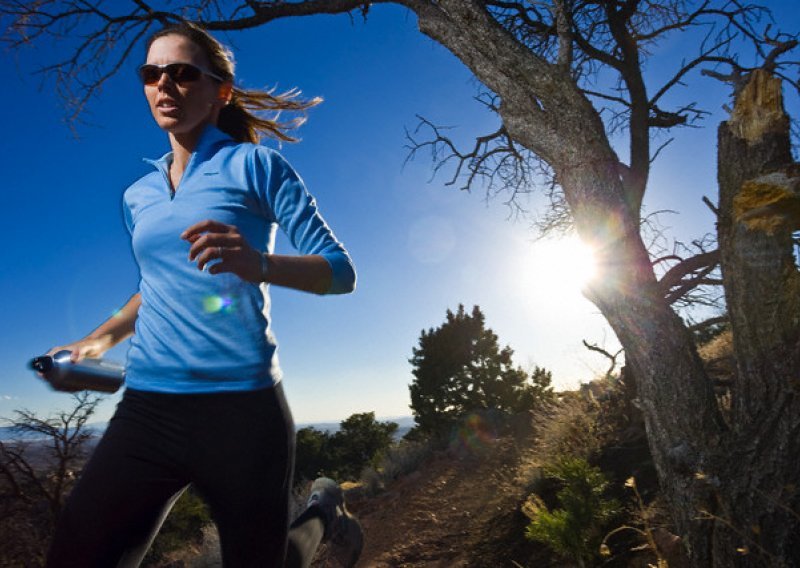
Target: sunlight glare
[560,268]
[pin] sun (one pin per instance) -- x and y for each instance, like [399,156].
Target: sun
[560,267]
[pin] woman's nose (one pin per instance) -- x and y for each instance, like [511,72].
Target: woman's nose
[163,79]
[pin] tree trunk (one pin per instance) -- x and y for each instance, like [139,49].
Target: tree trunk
[544,111]
[759,209]
[730,492]
[684,426]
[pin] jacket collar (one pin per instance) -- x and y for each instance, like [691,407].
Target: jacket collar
[210,139]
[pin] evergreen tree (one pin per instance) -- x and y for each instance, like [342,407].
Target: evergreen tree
[312,454]
[459,367]
[360,441]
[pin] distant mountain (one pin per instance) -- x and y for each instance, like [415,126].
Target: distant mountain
[8,433]
[404,423]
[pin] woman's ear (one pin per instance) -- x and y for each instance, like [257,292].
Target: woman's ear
[225,92]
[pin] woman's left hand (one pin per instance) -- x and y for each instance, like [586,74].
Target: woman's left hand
[214,240]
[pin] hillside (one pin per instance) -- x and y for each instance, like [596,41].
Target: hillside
[461,507]
[458,509]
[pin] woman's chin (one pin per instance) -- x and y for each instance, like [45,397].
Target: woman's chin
[180,130]
[166,123]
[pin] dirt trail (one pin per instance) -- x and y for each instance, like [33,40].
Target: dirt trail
[456,510]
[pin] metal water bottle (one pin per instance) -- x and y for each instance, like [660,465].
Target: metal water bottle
[88,374]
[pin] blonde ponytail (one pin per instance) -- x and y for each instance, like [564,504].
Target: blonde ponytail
[239,118]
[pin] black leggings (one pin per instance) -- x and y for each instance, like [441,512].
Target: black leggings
[237,449]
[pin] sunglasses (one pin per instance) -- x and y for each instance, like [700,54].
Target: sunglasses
[179,73]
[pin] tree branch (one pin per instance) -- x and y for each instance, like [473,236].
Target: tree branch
[7,460]
[607,97]
[698,263]
[612,358]
[631,71]
[100,42]
[265,12]
[714,208]
[565,39]
[705,57]
[67,434]
[494,158]
[708,323]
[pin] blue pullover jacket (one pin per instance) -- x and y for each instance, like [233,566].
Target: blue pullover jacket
[199,332]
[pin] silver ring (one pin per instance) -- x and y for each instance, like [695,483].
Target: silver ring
[219,251]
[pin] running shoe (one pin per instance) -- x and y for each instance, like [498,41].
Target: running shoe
[343,533]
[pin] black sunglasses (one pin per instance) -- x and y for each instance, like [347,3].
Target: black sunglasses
[180,73]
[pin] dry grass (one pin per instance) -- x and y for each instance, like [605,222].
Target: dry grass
[205,555]
[568,427]
[401,459]
[720,364]
[718,348]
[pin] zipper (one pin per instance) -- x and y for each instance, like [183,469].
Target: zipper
[165,175]
[161,166]
[186,171]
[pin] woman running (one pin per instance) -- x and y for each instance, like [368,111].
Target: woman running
[203,402]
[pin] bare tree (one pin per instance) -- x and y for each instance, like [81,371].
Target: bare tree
[37,471]
[730,489]
[59,444]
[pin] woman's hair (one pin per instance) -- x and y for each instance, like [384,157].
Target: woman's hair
[238,118]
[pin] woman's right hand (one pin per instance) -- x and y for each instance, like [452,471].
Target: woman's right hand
[118,327]
[92,347]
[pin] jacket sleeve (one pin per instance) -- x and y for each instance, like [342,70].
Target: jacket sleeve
[286,201]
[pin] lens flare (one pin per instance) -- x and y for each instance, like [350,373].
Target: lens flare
[214,304]
[474,434]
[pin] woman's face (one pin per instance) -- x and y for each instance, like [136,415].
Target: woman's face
[182,109]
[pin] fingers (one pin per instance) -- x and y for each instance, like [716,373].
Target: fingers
[214,253]
[77,352]
[209,225]
[74,350]
[221,267]
[213,241]
[245,262]
[81,352]
[92,348]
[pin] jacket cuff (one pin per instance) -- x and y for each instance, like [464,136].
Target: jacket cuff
[343,275]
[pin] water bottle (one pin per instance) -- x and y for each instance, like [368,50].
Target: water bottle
[88,374]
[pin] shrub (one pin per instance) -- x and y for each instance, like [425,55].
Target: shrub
[575,529]
[183,525]
[404,458]
[569,428]
[360,442]
[312,454]
[372,481]
[400,459]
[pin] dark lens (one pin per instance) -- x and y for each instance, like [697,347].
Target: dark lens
[183,72]
[149,74]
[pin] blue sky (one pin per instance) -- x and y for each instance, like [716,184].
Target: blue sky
[419,247]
